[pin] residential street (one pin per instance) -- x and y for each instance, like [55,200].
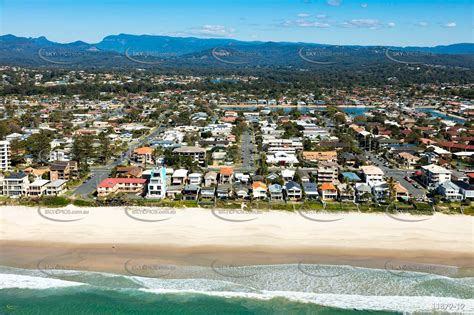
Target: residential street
[399,175]
[247,149]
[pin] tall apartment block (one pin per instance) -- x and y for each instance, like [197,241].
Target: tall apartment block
[5,155]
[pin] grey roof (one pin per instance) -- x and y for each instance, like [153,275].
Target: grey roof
[292,185]
[191,187]
[363,188]
[19,175]
[57,183]
[310,187]
[275,188]
[463,185]
[222,187]
[189,149]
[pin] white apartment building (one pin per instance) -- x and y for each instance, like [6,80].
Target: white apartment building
[157,184]
[15,185]
[56,187]
[38,188]
[327,172]
[373,175]
[196,153]
[435,175]
[5,155]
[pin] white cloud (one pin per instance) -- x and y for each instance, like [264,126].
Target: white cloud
[364,5]
[391,24]
[449,25]
[321,16]
[305,23]
[303,15]
[422,24]
[334,3]
[213,31]
[362,23]
[286,23]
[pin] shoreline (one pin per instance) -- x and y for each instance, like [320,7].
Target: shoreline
[106,238]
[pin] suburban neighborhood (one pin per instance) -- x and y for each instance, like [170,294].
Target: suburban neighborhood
[190,145]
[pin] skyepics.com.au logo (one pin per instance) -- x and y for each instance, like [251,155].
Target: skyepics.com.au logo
[322,55]
[149,214]
[408,57]
[231,270]
[62,215]
[62,56]
[147,269]
[409,269]
[63,266]
[244,214]
[234,57]
[318,215]
[148,57]
[393,212]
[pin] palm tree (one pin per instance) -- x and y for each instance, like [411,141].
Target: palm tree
[392,189]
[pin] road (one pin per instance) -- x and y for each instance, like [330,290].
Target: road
[99,173]
[399,175]
[247,149]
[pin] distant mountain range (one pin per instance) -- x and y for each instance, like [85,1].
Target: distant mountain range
[145,51]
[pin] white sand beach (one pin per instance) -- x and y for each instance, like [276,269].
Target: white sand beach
[440,238]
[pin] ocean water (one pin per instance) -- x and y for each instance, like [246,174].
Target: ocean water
[227,289]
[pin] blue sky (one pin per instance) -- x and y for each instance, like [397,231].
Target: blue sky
[365,22]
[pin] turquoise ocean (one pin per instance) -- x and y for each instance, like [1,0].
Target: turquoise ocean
[223,289]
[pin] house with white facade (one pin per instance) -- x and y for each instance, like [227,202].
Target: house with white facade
[38,188]
[450,191]
[15,185]
[157,184]
[434,175]
[373,175]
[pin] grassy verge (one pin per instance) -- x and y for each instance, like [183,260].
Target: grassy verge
[415,208]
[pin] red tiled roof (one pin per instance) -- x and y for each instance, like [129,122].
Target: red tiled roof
[111,182]
[227,171]
[453,145]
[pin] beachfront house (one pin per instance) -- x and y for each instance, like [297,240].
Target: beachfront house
[157,183]
[293,191]
[208,193]
[174,192]
[121,185]
[373,175]
[276,192]
[224,191]
[242,191]
[191,192]
[259,190]
[466,189]
[311,191]
[345,193]
[328,191]
[434,175]
[450,191]
[15,185]
[363,192]
[56,187]
[38,188]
